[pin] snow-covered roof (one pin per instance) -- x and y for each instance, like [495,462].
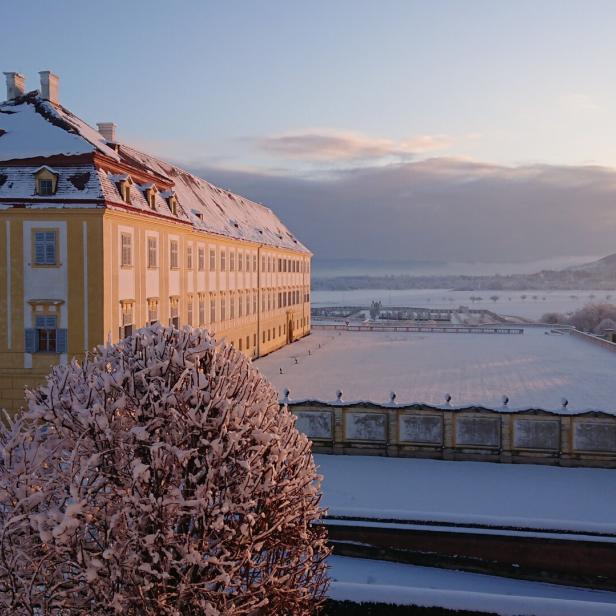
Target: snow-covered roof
[34,128]
[76,182]
[222,212]
[31,127]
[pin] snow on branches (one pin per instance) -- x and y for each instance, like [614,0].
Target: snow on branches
[160,477]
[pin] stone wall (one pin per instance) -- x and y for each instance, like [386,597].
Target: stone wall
[474,433]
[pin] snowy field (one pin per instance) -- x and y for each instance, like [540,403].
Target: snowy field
[511,303]
[533,369]
[359,579]
[523,496]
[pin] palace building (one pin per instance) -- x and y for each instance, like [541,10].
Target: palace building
[98,238]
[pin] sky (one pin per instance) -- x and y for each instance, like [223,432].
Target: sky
[473,130]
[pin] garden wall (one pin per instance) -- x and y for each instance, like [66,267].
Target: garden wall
[532,436]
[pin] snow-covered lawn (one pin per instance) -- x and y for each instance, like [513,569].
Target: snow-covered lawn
[511,495]
[533,369]
[359,579]
[534,305]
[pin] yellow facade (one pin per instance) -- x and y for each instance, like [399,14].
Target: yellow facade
[120,269]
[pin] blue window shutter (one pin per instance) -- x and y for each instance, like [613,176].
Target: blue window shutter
[31,340]
[60,341]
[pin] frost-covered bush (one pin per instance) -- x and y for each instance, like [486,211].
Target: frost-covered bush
[159,477]
[554,318]
[604,326]
[589,317]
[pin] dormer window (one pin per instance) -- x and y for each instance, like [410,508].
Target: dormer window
[124,182]
[149,192]
[46,181]
[172,201]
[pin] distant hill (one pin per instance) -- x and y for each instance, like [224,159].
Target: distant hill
[605,264]
[599,275]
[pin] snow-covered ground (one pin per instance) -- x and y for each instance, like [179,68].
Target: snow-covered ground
[506,495]
[533,306]
[359,579]
[533,369]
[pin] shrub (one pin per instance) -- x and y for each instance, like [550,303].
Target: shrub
[159,477]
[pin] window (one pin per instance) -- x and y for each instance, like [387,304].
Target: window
[254,263]
[173,254]
[254,303]
[212,260]
[201,311]
[263,263]
[247,342]
[45,187]
[126,326]
[126,259]
[232,260]
[189,255]
[45,337]
[240,261]
[254,340]
[152,311]
[240,305]
[150,195]
[124,183]
[45,247]
[174,312]
[201,259]
[152,252]
[172,202]
[190,310]
[212,311]
[223,260]
[223,310]
[239,343]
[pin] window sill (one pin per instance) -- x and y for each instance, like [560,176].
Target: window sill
[45,266]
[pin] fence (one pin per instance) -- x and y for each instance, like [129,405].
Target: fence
[432,329]
[532,436]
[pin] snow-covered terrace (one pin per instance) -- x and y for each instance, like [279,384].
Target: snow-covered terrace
[360,580]
[535,370]
[521,497]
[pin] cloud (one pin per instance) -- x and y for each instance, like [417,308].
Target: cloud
[442,209]
[332,145]
[575,102]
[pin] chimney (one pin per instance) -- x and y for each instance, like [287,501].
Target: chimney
[15,85]
[49,86]
[108,131]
